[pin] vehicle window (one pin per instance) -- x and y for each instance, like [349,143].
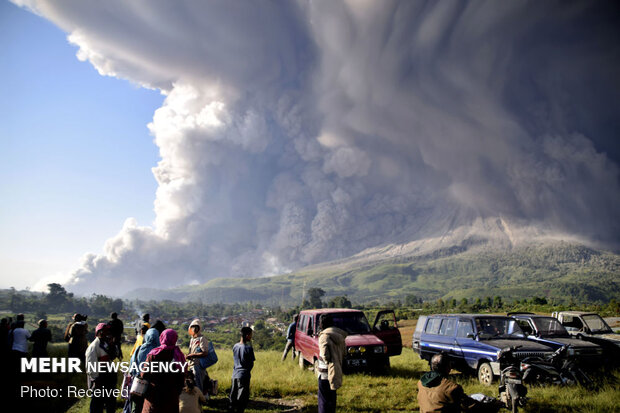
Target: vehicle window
[385,322]
[464,328]
[448,325]
[596,324]
[572,323]
[549,326]
[310,327]
[525,326]
[432,327]
[498,327]
[352,323]
[303,323]
[420,324]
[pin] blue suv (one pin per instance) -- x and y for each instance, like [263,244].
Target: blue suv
[472,341]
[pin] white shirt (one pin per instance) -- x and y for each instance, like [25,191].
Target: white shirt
[94,353]
[20,337]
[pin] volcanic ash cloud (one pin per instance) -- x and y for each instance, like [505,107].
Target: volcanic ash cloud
[298,132]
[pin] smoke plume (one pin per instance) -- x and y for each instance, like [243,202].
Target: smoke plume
[298,132]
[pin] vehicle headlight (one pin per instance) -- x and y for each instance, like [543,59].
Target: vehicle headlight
[599,351]
[362,349]
[378,349]
[352,350]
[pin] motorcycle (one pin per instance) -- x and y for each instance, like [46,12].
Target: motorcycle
[559,368]
[512,391]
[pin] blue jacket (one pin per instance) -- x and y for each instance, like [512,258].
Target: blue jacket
[290,333]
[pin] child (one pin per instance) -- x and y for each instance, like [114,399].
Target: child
[191,397]
[243,356]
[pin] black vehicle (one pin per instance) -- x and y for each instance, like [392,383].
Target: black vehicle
[549,331]
[512,391]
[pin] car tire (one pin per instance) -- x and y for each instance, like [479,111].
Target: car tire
[485,374]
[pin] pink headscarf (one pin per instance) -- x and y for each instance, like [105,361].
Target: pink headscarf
[168,339]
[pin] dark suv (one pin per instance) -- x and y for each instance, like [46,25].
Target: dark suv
[473,340]
[548,330]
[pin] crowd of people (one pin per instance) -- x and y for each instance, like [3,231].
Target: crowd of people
[185,390]
[171,391]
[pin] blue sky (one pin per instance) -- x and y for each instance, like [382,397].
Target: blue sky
[76,152]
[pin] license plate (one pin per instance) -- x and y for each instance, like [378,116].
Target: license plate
[357,362]
[513,381]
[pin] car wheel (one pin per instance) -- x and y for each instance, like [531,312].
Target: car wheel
[485,374]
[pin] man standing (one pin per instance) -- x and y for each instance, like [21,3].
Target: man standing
[436,393]
[243,355]
[290,338]
[40,337]
[75,334]
[198,348]
[101,350]
[18,340]
[332,350]
[116,332]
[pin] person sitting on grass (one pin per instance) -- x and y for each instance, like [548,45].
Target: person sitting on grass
[191,397]
[437,393]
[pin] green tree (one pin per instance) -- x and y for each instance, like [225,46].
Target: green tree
[314,297]
[497,302]
[340,302]
[259,325]
[57,297]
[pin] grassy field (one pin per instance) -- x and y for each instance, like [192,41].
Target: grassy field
[282,387]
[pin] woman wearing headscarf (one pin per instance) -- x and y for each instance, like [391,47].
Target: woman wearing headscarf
[151,341]
[162,395]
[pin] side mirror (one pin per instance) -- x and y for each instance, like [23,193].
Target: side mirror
[471,335]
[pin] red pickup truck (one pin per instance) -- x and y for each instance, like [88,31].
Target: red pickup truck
[367,348]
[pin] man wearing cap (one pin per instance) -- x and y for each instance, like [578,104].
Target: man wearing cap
[101,350]
[198,348]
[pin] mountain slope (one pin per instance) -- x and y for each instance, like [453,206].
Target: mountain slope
[477,266]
